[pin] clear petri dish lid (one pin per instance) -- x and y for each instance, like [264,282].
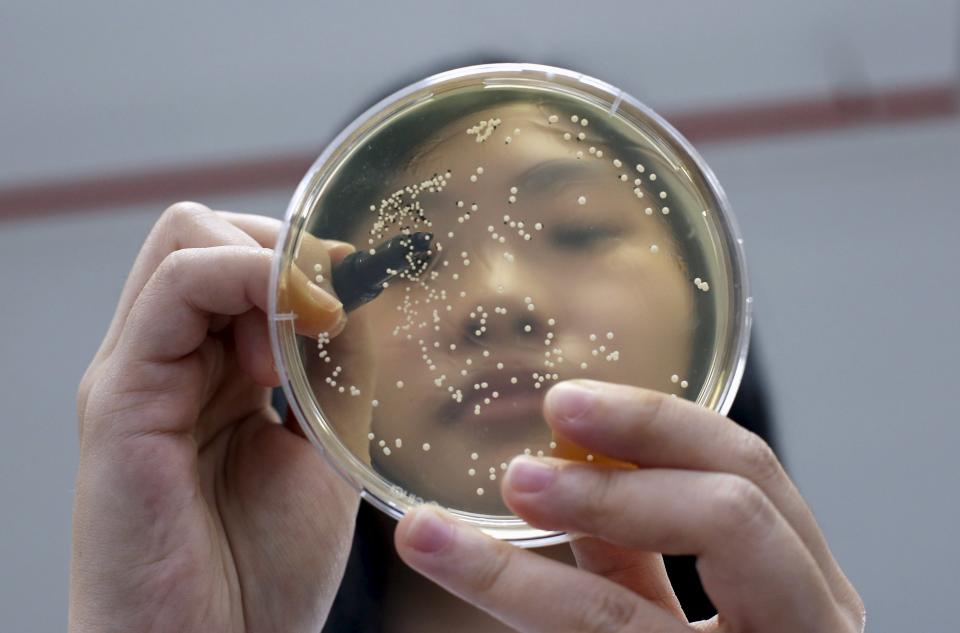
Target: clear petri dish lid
[515,225]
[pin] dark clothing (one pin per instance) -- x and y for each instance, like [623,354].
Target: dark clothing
[357,605]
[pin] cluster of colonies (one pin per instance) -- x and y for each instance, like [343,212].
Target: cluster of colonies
[402,211]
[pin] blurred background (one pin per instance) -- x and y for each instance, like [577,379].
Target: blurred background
[834,127]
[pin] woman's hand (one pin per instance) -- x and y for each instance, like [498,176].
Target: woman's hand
[703,486]
[195,509]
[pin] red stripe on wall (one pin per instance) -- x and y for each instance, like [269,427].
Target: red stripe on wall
[154,185]
[820,114]
[165,185]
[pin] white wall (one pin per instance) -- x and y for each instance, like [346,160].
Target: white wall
[851,237]
[92,86]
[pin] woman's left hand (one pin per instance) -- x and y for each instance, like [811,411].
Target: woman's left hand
[704,486]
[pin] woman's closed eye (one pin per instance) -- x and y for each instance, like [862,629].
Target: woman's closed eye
[576,236]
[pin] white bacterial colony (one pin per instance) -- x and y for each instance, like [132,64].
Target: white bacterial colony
[484,129]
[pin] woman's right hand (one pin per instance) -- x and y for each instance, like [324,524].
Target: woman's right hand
[195,509]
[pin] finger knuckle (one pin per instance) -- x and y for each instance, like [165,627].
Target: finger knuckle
[82,397]
[659,405]
[83,391]
[174,265]
[852,606]
[859,612]
[656,412]
[178,219]
[740,506]
[490,570]
[601,499]
[606,612]
[184,212]
[761,462]
[173,271]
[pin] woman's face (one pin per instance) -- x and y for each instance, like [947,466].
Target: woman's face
[464,356]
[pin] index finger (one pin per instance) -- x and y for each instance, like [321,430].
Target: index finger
[655,430]
[182,225]
[265,230]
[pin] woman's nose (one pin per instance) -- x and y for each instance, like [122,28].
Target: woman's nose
[498,321]
[503,305]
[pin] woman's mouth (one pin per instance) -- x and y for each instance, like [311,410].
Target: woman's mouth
[496,397]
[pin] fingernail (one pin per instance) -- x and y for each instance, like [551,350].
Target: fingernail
[324,300]
[428,532]
[331,309]
[570,400]
[339,325]
[338,250]
[526,474]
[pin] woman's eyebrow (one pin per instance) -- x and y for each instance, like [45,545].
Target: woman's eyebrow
[549,174]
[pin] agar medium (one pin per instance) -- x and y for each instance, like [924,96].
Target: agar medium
[515,226]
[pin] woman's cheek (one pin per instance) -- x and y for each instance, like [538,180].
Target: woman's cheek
[646,303]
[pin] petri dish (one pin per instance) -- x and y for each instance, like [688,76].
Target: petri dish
[514,225]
